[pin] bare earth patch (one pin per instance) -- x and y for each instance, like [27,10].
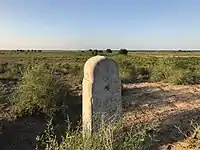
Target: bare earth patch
[172,105]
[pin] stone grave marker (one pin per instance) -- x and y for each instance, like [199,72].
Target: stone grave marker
[101,93]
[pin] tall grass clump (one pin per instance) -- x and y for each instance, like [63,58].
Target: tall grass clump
[126,67]
[71,70]
[77,71]
[134,67]
[37,91]
[174,71]
[109,137]
[127,70]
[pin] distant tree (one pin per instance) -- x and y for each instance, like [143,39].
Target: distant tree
[90,50]
[100,51]
[39,51]
[108,51]
[82,51]
[123,51]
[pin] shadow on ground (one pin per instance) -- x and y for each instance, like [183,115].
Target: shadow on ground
[173,106]
[20,134]
[177,127]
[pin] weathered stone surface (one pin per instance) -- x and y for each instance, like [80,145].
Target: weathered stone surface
[101,92]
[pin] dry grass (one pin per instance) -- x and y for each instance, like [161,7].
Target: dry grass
[109,137]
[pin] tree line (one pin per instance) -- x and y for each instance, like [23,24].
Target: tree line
[96,52]
[19,50]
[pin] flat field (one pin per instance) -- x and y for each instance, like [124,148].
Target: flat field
[160,99]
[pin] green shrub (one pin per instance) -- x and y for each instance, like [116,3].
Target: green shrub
[178,76]
[191,77]
[162,70]
[109,137]
[127,69]
[38,91]
[186,63]
[142,72]
[174,71]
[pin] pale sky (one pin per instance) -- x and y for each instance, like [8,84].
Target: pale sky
[101,24]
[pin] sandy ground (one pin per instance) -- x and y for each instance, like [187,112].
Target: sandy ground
[173,106]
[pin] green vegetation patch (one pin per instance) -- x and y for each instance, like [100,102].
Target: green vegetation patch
[109,137]
[38,91]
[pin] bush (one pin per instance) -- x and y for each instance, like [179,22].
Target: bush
[108,51]
[191,77]
[162,70]
[186,63]
[123,51]
[109,137]
[173,71]
[127,69]
[143,72]
[38,91]
[100,51]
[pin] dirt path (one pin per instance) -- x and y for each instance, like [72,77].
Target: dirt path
[173,106]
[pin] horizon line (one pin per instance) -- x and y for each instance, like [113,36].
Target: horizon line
[75,49]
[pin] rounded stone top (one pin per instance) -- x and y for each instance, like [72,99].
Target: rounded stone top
[92,63]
